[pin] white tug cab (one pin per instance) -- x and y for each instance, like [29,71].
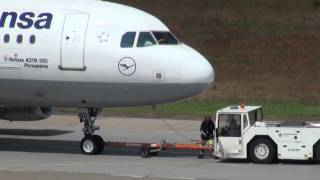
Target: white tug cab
[242,133]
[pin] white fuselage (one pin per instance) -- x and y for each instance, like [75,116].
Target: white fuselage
[68,53]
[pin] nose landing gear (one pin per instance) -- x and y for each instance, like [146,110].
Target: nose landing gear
[91,144]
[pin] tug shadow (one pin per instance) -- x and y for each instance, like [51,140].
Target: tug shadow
[278,162]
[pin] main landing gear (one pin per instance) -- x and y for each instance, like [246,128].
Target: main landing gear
[91,144]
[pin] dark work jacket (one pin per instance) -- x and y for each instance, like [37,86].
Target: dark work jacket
[208,127]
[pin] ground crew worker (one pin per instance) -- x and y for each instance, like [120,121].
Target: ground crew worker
[206,130]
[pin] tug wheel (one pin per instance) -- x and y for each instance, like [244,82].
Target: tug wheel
[262,151]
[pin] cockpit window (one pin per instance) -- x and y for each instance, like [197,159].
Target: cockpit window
[165,38]
[145,39]
[127,40]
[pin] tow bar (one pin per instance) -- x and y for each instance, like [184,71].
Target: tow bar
[152,149]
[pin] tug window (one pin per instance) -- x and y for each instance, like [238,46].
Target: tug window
[255,116]
[165,38]
[127,40]
[145,39]
[229,125]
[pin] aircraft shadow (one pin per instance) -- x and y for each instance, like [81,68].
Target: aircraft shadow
[33,132]
[72,147]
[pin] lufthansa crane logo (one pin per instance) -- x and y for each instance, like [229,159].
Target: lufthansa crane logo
[127,66]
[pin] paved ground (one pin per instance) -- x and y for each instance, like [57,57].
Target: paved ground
[50,150]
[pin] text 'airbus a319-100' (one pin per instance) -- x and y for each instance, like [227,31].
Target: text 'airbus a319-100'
[90,54]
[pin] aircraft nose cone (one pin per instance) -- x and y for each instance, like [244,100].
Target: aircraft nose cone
[198,71]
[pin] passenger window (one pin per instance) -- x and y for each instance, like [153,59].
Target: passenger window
[229,125]
[127,40]
[145,39]
[19,38]
[6,38]
[165,38]
[32,39]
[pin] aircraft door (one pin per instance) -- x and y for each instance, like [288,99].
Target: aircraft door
[229,134]
[73,42]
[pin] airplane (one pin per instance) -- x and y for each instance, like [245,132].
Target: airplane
[90,54]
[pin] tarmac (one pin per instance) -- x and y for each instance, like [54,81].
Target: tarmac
[49,149]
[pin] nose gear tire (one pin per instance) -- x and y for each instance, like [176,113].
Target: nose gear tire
[92,145]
